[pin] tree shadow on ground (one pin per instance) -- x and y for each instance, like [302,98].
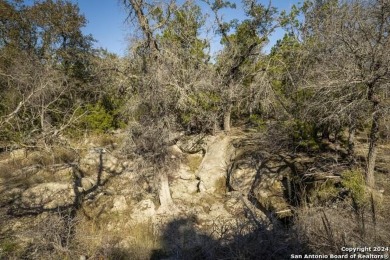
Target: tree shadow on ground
[182,239]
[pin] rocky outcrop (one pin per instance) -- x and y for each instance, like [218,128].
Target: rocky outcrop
[192,144]
[119,204]
[241,176]
[143,211]
[270,195]
[258,175]
[213,168]
[184,184]
[49,195]
[99,159]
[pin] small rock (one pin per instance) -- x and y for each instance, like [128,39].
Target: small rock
[215,207]
[187,176]
[120,204]
[144,210]
[48,195]
[201,186]
[18,153]
[87,183]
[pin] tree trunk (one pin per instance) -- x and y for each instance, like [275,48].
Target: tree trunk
[144,24]
[226,118]
[164,193]
[374,132]
[372,150]
[351,139]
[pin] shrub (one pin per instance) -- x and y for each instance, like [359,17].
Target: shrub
[102,116]
[257,121]
[98,118]
[8,248]
[323,193]
[353,181]
[63,155]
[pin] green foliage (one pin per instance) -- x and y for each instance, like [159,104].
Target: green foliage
[44,60]
[183,32]
[98,118]
[303,134]
[201,107]
[8,134]
[324,192]
[353,180]
[8,247]
[102,116]
[258,121]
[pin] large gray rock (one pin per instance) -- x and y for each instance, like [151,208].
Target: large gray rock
[241,177]
[48,196]
[212,170]
[192,144]
[99,158]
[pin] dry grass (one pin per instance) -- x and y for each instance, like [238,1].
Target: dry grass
[56,155]
[327,230]
[116,237]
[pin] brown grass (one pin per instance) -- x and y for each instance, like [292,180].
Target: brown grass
[327,230]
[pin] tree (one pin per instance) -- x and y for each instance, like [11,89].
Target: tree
[350,41]
[241,49]
[169,66]
[43,60]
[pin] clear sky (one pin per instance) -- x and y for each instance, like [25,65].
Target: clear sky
[106,22]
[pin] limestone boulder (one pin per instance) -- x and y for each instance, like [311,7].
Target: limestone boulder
[192,144]
[241,177]
[270,193]
[99,158]
[143,211]
[119,204]
[212,170]
[49,195]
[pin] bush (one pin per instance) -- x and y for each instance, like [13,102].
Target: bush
[98,118]
[353,181]
[324,193]
[8,248]
[257,121]
[303,135]
[102,116]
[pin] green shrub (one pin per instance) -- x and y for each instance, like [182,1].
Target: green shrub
[258,121]
[8,248]
[97,118]
[102,116]
[323,193]
[302,134]
[353,180]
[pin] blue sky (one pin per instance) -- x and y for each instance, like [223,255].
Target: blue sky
[106,22]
